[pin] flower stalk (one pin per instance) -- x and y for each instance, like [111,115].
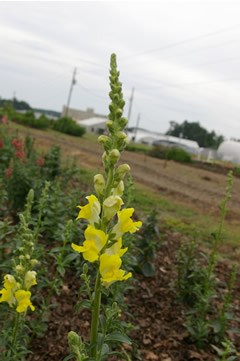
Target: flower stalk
[103,239]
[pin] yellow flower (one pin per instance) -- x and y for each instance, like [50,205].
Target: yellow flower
[91,211]
[111,206]
[125,223]
[110,269]
[23,300]
[116,249]
[95,241]
[30,279]
[10,286]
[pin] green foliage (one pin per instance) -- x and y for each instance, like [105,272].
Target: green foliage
[227,353]
[69,126]
[137,148]
[197,288]
[146,244]
[194,131]
[29,119]
[159,151]
[177,154]
[16,104]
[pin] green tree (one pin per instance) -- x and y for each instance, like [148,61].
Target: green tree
[194,131]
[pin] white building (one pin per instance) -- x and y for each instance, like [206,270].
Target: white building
[229,151]
[93,125]
[152,138]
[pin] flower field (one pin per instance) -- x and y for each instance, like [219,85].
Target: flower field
[94,268]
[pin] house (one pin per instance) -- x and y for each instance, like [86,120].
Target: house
[93,125]
[77,114]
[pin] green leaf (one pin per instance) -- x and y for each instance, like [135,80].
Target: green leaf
[118,337]
[61,270]
[70,257]
[105,349]
[85,304]
[102,320]
[216,326]
[148,269]
[69,357]
[117,354]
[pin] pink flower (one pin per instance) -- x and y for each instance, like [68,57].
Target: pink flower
[40,162]
[17,144]
[1,144]
[20,154]
[4,119]
[9,172]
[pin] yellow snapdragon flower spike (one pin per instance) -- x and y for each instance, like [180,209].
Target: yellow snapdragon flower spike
[95,241]
[111,206]
[116,249]
[23,300]
[30,279]
[91,211]
[125,223]
[110,269]
[10,286]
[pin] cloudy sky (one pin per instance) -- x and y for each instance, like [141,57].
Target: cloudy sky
[182,58]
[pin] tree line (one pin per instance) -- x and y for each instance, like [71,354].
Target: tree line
[194,131]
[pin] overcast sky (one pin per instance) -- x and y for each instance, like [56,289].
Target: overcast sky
[182,58]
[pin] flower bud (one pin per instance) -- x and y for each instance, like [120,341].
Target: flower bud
[27,257]
[21,249]
[30,279]
[114,156]
[121,135]
[99,184]
[103,139]
[126,141]
[118,191]
[109,124]
[123,122]
[85,268]
[111,107]
[30,196]
[74,341]
[119,113]
[33,262]
[22,257]
[121,171]
[19,268]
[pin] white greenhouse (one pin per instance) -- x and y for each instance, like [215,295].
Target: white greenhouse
[229,151]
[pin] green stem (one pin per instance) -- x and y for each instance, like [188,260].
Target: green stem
[109,182]
[95,316]
[15,330]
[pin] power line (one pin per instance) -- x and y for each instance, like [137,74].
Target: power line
[91,93]
[185,41]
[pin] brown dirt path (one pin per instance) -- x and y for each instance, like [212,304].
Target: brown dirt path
[198,188]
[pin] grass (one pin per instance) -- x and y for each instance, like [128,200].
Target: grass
[179,218]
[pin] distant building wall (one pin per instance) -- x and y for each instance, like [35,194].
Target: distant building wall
[94,125]
[77,114]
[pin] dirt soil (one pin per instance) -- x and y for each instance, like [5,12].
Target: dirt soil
[200,189]
[152,303]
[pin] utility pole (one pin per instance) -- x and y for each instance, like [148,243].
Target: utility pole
[73,82]
[130,105]
[137,126]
